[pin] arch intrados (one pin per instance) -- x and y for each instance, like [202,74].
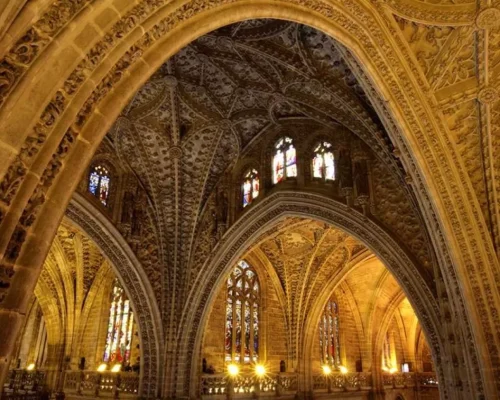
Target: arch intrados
[283,204]
[134,281]
[232,13]
[336,282]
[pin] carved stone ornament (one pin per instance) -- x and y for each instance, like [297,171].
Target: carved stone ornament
[488,95]
[175,152]
[27,49]
[171,80]
[226,124]
[488,18]
[133,279]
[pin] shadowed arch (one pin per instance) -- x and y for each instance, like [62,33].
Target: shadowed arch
[287,204]
[453,215]
[134,282]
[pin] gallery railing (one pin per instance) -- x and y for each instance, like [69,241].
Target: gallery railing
[411,379]
[23,384]
[218,384]
[340,382]
[102,384]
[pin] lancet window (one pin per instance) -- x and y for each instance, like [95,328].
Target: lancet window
[329,334]
[120,325]
[242,315]
[99,182]
[284,160]
[323,162]
[250,187]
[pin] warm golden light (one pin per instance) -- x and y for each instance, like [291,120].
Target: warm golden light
[102,367]
[30,367]
[326,369]
[260,370]
[116,368]
[343,369]
[233,369]
[393,370]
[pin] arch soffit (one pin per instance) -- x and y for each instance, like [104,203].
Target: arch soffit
[338,281]
[284,204]
[134,281]
[365,333]
[265,270]
[451,204]
[354,310]
[103,278]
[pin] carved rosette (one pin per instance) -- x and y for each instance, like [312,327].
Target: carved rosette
[488,18]
[488,95]
[175,152]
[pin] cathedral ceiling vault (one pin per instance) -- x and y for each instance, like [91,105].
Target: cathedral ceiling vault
[431,75]
[217,101]
[309,258]
[73,273]
[306,256]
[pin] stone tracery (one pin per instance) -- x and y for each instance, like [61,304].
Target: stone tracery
[38,199]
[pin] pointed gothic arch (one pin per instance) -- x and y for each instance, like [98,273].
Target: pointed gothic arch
[453,215]
[133,279]
[287,204]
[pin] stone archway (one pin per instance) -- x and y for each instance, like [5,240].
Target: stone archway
[285,204]
[136,285]
[66,95]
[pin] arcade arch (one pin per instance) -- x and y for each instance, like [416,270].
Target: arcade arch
[38,174]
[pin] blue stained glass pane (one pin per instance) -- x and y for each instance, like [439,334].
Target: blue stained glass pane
[93,183]
[99,183]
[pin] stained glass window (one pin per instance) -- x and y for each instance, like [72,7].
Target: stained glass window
[250,187]
[99,183]
[323,162]
[284,160]
[329,334]
[120,325]
[242,315]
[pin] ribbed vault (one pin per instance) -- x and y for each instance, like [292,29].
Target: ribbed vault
[66,74]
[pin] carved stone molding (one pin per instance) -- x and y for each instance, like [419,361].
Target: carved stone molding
[136,285]
[458,212]
[292,204]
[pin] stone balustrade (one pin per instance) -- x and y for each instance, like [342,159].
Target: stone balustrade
[101,384]
[24,384]
[338,382]
[412,379]
[220,384]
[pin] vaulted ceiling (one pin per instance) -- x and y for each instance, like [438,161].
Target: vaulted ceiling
[313,260]
[74,271]
[307,255]
[211,105]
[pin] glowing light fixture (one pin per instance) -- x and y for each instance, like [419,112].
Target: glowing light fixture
[30,367]
[116,368]
[343,369]
[233,370]
[260,370]
[102,367]
[326,369]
